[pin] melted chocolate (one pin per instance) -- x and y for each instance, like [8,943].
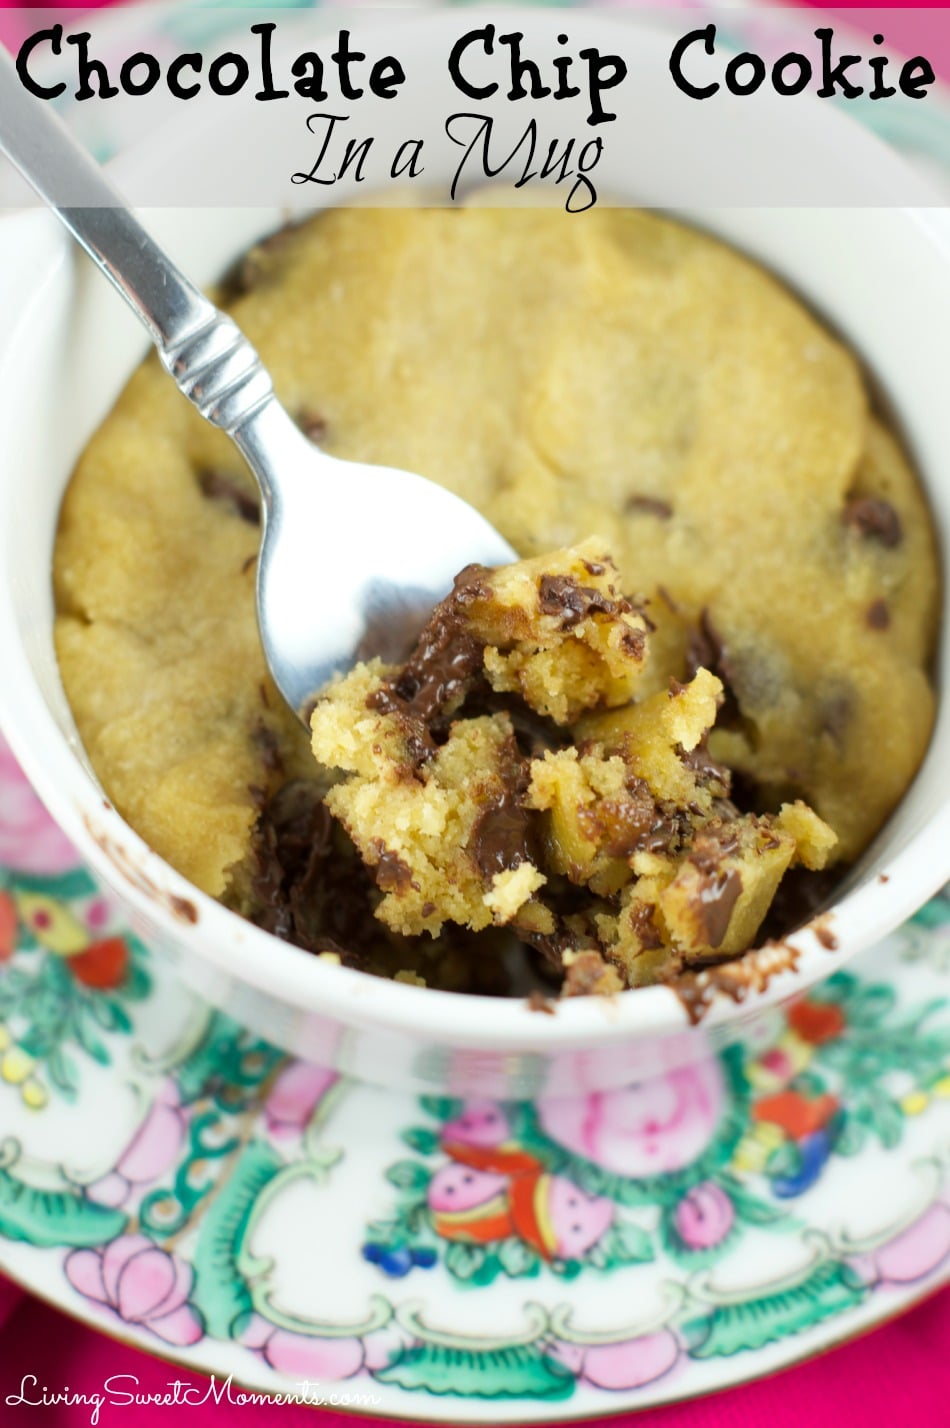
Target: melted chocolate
[538,1002]
[645,928]
[499,839]
[649,506]
[836,711]
[701,762]
[706,649]
[562,598]
[624,826]
[711,846]
[878,615]
[313,426]
[875,519]
[583,975]
[826,937]
[305,889]
[502,835]
[219,486]
[392,874]
[266,743]
[752,971]
[446,659]
[718,894]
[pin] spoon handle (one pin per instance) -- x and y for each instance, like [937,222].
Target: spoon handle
[210,359]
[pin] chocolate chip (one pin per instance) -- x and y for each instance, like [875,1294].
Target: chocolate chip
[265,742]
[584,974]
[834,714]
[711,846]
[538,1002]
[878,616]
[634,643]
[624,826]
[562,598]
[392,873]
[707,770]
[707,649]
[717,896]
[313,426]
[644,926]
[501,837]
[874,518]
[446,659]
[220,486]
[649,506]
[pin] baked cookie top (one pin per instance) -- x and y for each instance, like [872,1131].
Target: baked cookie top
[609,372]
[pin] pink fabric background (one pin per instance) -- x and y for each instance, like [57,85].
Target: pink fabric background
[896,1375]
[892,1378]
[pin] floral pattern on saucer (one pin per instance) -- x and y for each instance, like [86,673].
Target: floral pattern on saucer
[177,1180]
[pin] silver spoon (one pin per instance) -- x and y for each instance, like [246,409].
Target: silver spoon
[353,557]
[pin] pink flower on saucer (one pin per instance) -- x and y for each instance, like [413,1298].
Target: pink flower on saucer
[630,1364]
[704,1216]
[480,1123]
[295,1095]
[315,1359]
[649,1128]
[30,842]
[915,1252]
[152,1150]
[141,1284]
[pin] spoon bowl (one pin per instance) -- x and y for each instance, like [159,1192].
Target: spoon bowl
[353,559]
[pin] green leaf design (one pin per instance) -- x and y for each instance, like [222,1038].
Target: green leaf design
[441,1108]
[806,1083]
[408,1175]
[64,887]
[421,1139]
[871,1005]
[62,1072]
[732,1328]
[516,1258]
[90,1043]
[567,1268]
[138,983]
[464,1261]
[205,1060]
[626,1243]
[837,988]
[851,1137]
[887,1121]
[785,1161]
[935,913]
[220,1291]
[750,1208]
[521,1372]
[54,1217]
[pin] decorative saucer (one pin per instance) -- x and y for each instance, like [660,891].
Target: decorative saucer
[176,1182]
